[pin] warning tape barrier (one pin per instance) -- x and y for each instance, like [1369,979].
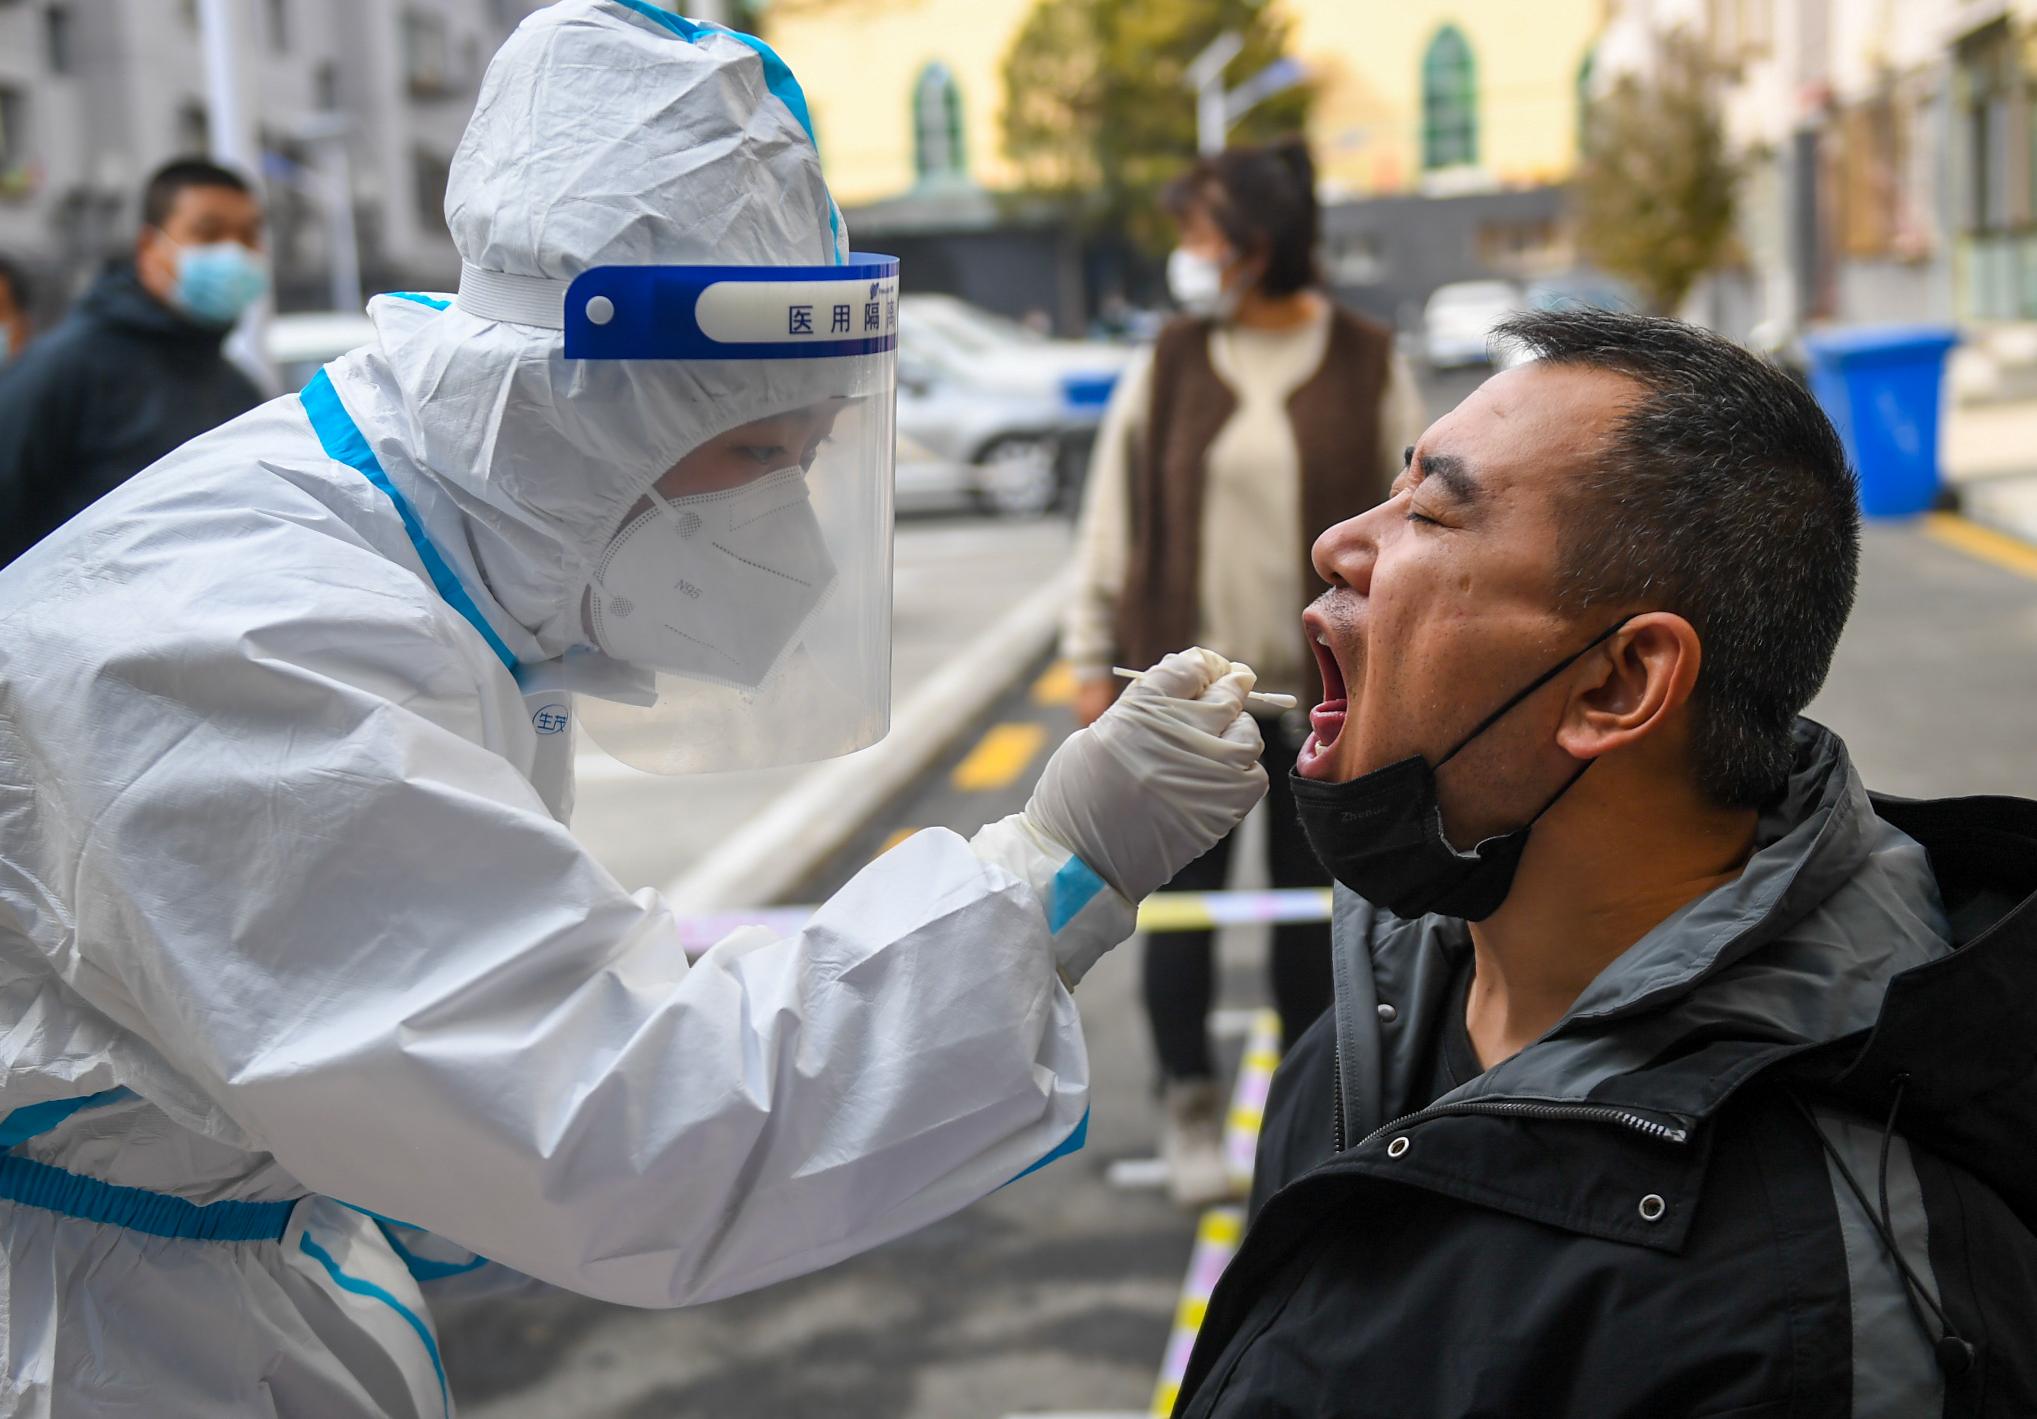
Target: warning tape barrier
[1221,1229]
[1216,1241]
[1161,912]
[1248,1098]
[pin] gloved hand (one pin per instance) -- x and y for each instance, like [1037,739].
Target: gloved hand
[1167,771]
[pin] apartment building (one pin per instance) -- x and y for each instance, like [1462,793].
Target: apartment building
[370,94]
[1890,149]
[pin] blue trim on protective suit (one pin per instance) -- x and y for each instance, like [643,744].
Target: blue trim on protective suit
[26,1123]
[159,1214]
[1071,1144]
[1074,887]
[342,441]
[369,1289]
[778,78]
[421,298]
[422,1268]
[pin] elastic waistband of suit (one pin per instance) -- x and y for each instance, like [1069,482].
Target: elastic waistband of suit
[159,1214]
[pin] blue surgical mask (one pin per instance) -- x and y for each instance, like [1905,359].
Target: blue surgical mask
[218,281]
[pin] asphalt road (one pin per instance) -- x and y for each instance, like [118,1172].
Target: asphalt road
[1057,1293]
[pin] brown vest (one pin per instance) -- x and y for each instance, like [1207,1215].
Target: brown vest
[1336,428]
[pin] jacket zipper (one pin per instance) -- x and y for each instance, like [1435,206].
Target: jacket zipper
[1595,1113]
[1337,1097]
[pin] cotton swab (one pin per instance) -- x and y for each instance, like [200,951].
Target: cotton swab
[1267,698]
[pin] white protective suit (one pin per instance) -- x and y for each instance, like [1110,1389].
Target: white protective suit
[288,909]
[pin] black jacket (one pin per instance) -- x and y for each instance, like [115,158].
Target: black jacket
[120,383]
[1634,1216]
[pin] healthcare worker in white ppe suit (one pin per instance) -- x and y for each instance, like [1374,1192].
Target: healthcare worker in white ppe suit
[309,1000]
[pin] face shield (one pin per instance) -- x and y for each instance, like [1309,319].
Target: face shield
[749,589]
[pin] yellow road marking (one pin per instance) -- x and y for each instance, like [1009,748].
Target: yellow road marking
[2010,553]
[1056,687]
[1001,756]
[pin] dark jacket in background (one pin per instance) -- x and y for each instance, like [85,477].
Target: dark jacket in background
[120,383]
[1632,1217]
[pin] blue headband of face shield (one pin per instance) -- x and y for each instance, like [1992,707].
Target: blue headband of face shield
[733,312]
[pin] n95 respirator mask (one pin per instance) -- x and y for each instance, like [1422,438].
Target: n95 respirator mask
[714,586]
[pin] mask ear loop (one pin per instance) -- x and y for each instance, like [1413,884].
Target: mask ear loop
[1537,683]
[664,509]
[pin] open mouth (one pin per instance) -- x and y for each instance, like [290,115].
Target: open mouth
[1326,720]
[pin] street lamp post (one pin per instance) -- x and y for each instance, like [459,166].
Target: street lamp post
[327,134]
[230,134]
[1218,110]
[1206,77]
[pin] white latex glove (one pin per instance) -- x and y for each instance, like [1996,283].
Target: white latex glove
[1167,771]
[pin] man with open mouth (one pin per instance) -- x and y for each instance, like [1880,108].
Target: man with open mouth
[1670,1071]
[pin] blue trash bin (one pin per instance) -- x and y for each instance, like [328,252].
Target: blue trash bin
[1880,385]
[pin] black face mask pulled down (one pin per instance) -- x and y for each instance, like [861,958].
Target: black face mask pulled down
[1381,834]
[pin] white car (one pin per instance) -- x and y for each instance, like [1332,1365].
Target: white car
[1458,320]
[993,415]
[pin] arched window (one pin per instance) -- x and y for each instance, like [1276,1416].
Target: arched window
[1449,102]
[937,150]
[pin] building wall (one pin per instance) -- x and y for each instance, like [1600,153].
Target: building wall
[135,96]
[1368,60]
[859,60]
[1848,117]
[1386,255]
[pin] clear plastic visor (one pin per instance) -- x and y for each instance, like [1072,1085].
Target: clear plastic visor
[748,591]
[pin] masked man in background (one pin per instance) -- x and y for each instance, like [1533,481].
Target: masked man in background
[312,999]
[137,369]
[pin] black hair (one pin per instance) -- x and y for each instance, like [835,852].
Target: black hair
[17,284]
[1264,202]
[159,198]
[1724,496]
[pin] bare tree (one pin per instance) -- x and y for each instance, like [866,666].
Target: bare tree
[1654,198]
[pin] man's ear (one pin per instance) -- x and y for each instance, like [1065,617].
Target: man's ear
[1631,687]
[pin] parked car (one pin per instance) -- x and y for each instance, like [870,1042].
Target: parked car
[1457,322]
[999,351]
[991,414]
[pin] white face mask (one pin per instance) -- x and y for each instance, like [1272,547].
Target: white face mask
[715,586]
[1197,284]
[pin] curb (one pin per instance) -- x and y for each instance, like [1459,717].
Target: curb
[2004,504]
[790,838]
